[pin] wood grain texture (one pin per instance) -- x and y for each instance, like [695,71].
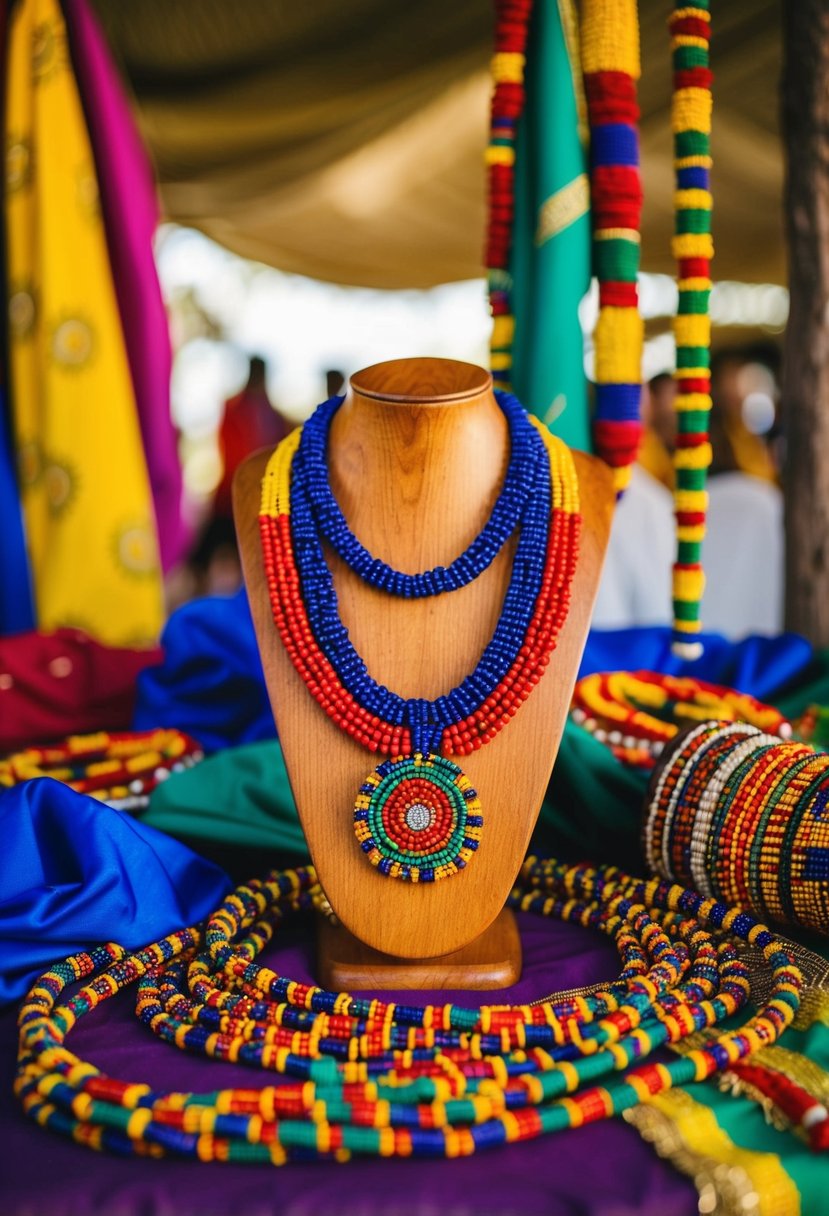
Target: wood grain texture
[417,476]
[493,960]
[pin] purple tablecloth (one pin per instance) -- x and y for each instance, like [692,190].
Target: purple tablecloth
[602,1170]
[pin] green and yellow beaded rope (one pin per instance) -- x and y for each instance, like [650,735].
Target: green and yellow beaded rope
[368,1078]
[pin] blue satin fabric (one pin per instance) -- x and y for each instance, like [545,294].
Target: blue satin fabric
[211,683]
[760,666]
[75,872]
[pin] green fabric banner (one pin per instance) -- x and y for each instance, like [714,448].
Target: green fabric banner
[551,243]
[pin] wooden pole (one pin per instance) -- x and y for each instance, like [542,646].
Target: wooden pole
[805,132]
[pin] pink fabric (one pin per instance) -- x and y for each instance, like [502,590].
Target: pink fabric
[130,212]
[64,683]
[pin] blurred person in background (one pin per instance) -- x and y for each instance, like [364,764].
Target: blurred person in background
[635,587]
[249,422]
[659,422]
[743,554]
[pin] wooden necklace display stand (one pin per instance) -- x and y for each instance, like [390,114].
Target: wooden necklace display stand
[417,454]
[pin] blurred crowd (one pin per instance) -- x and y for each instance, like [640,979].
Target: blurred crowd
[743,553]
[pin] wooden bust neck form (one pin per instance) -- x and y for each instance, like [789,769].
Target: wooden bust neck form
[417,455]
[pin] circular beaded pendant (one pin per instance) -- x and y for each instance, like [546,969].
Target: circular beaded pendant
[418,818]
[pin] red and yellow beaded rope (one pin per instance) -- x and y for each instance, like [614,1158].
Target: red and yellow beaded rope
[637,712]
[120,768]
[512,19]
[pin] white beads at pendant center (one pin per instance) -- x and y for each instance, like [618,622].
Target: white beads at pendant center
[418,817]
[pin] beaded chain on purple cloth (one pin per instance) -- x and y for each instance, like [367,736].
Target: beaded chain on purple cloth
[365,1077]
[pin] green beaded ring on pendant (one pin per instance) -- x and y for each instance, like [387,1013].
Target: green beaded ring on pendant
[418,818]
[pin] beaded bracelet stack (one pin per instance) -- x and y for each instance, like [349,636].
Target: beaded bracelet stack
[370,1078]
[610,63]
[512,18]
[637,712]
[120,769]
[741,816]
[693,250]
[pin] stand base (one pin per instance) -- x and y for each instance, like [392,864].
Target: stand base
[493,960]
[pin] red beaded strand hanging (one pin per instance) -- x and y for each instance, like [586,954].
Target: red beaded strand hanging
[512,19]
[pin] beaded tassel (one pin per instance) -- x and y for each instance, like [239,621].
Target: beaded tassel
[693,250]
[610,63]
[512,18]
[370,1078]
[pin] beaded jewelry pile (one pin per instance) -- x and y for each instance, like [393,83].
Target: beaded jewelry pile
[366,1078]
[416,816]
[120,769]
[635,713]
[741,816]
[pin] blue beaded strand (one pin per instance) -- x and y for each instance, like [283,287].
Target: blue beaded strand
[425,719]
[480,553]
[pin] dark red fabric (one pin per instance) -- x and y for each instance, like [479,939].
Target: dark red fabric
[64,683]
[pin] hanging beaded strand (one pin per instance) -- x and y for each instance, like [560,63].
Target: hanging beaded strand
[610,63]
[693,249]
[389,1080]
[512,18]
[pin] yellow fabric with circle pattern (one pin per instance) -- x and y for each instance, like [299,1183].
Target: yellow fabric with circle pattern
[85,492]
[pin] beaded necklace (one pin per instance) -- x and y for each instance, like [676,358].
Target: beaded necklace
[371,1078]
[121,769]
[637,712]
[416,816]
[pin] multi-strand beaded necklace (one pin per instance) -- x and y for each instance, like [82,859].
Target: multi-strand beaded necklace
[636,713]
[512,18]
[416,816]
[390,1080]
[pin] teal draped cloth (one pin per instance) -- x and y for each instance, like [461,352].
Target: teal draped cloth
[551,242]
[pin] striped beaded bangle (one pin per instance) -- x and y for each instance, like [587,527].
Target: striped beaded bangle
[741,815]
[121,769]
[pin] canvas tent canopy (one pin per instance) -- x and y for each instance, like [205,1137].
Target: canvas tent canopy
[346,142]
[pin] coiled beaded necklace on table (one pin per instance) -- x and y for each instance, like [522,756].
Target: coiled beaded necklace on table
[375,1078]
[416,816]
